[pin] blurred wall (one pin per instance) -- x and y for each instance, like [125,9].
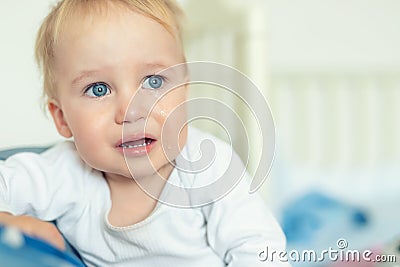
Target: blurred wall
[334,35]
[339,65]
[331,73]
[21,117]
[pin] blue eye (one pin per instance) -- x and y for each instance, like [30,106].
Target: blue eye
[97,90]
[153,82]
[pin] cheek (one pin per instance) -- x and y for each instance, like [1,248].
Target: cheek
[87,129]
[84,133]
[84,126]
[86,119]
[90,140]
[172,105]
[171,114]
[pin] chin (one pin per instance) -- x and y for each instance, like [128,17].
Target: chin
[140,173]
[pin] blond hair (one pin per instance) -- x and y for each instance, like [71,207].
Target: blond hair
[166,12]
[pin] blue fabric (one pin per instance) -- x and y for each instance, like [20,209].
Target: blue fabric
[30,252]
[315,213]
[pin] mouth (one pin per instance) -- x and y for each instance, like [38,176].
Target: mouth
[136,146]
[137,143]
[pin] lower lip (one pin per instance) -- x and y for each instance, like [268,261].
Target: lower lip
[137,151]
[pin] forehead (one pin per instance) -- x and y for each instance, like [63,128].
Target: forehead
[107,31]
[84,16]
[107,22]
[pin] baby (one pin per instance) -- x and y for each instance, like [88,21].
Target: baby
[106,190]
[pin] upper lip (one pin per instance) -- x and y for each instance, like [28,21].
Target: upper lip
[134,137]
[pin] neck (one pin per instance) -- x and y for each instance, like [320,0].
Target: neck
[134,199]
[151,185]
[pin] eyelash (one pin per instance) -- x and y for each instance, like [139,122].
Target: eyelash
[91,86]
[162,78]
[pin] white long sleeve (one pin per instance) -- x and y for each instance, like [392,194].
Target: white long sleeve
[239,226]
[40,185]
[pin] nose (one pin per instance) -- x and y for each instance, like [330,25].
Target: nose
[131,108]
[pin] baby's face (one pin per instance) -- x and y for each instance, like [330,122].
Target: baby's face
[100,64]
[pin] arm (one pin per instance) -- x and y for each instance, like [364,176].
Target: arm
[30,192]
[239,226]
[26,187]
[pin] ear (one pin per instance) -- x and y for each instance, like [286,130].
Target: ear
[58,118]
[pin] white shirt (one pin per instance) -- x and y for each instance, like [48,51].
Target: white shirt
[58,185]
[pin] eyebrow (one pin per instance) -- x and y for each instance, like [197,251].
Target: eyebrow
[145,67]
[159,66]
[83,75]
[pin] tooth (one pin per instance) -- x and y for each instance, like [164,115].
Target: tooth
[145,143]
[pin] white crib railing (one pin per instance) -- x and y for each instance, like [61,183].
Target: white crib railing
[338,119]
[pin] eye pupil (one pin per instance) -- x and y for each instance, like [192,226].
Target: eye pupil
[155,82]
[99,90]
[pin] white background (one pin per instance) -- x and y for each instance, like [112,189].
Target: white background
[21,117]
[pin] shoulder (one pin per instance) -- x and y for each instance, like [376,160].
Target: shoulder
[209,166]
[62,148]
[205,151]
[47,184]
[62,152]
[200,141]
[60,159]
